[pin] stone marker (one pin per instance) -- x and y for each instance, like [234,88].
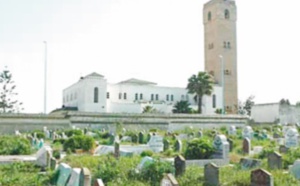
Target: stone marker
[85,177]
[74,178]
[230,141]
[156,143]
[141,137]
[276,135]
[53,163]
[178,145]
[200,134]
[169,180]
[145,161]
[283,149]
[247,132]
[211,175]
[222,147]
[295,169]
[179,163]
[148,137]
[64,174]
[117,149]
[166,144]
[291,138]
[261,177]
[43,156]
[248,163]
[246,146]
[275,161]
[98,182]
[232,130]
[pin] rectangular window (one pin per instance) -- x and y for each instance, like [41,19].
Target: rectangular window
[214,101]
[141,96]
[152,97]
[167,97]
[125,96]
[136,96]
[172,97]
[120,95]
[156,97]
[107,95]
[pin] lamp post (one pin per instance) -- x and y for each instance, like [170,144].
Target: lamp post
[45,79]
[223,82]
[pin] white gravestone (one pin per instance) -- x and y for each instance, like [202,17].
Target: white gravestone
[295,169]
[222,147]
[247,132]
[232,130]
[156,143]
[43,156]
[75,176]
[291,138]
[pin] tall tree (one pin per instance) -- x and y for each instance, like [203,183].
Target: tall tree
[182,107]
[245,108]
[8,101]
[200,84]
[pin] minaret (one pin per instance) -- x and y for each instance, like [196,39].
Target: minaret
[219,19]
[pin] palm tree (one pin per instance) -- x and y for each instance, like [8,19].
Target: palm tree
[200,84]
[182,107]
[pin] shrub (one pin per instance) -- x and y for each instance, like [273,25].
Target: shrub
[39,134]
[60,140]
[74,132]
[12,145]
[146,153]
[199,149]
[79,142]
[56,154]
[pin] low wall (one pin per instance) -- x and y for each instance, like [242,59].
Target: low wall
[28,122]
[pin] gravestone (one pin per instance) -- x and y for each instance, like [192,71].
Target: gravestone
[200,134]
[156,143]
[41,143]
[178,146]
[85,130]
[98,182]
[166,144]
[222,147]
[232,130]
[74,178]
[211,174]
[145,161]
[291,138]
[64,174]
[283,149]
[295,169]
[248,163]
[169,180]
[230,141]
[117,149]
[246,145]
[148,137]
[141,137]
[180,165]
[247,132]
[53,163]
[261,177]
[43,156]
[275,160]
[276,135]
[85,177]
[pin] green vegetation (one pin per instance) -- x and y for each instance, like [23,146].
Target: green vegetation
[182,107]
[13,145]
[199,149]
[85,143]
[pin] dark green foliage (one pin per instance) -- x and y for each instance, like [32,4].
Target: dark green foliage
[79,142]
[199,149]
[104,135]
[146,153]
[60,140]
[72,132]
[154,172]
[182,107]
[13,145]
[56,154]
[290,157]
[39,134]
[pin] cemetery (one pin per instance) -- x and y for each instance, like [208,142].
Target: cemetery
[229,155]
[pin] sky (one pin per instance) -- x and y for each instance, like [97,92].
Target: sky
[155,40]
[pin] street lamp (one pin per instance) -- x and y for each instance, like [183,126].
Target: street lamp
[223,82]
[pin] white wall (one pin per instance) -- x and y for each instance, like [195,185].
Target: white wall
[265,112]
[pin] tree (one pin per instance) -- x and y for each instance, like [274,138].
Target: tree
[245,108]
[200,84]
[284,102]
[182,107]
[149,109]
[8,101]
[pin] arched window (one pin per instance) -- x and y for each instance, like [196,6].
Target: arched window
[214,101]
[125,95]
[96,92]
[141,96]
[167,97]
[209,16]
[156,97]
[136,96]
[227,14]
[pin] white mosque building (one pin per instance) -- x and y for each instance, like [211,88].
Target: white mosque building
[93,93]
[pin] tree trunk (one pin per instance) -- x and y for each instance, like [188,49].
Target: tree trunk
[200,104]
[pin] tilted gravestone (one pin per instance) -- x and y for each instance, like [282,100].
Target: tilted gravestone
[295,169]
[169,180]
[283,149]
[248,163]
[53,163]
[74,178]
[246,146]
[43,156]
[230,141]
[222,147]
[166,144]
[178,145]
[141,137]
[64,174]
[275,160]
[85,177]
[261,177]
[200,134]
[179,163]
[148,137]
[98,182]
[291,138]
[211,175]
[117,149]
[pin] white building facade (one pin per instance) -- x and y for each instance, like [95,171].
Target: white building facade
[92,93]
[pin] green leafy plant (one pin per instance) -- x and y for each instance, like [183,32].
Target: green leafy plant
[199,149]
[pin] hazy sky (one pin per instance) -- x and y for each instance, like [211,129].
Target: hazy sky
[154,40]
